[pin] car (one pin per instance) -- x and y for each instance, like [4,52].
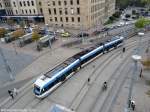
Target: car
[105,29]
[96,32]
[83,35]
[65,34]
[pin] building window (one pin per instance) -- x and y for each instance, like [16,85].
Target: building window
[14,4]
[72,11]
[24,3]
[59,2]
[78,2]
[66,19]
[55,19]
[55,11]
[66,12]
[78,19]
[16,12]
[0,4]
[49,10]
[32,2]
[72,19]
[60,11]
[65,2]
[34,11]
[61,19]
[20,3]
[28,3]
[71,2]
[51,19]
[48,3]
[78,10]
[41,10]
[30,11]
[40,4]
[53,3]
[26,11]
[22,11]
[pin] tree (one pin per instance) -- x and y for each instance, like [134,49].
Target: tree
[146,1]
[35,36]
[117,14]
[142,22]
[2,32]
[18,33]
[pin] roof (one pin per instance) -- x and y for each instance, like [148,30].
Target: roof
[41,81]
[59,108]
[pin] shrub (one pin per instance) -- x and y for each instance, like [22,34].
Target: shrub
[117,14]
[35,36]
[2,32]
[18,33]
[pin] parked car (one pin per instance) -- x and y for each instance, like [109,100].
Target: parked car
[65,34]
[83,35]
[96,32]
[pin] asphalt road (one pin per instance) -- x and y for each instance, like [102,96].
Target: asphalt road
[67,94]
[16,62]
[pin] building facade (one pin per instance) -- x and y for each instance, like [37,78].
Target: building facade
[2,8]
[27,10]
[61,13]
[77,13]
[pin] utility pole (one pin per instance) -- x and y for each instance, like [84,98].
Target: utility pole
[135,58]
[14,48]
[7,67]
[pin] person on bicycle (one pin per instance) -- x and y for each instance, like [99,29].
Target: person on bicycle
[105,85]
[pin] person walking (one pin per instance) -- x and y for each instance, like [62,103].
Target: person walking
[141,71]
[15,91]
[124,50]
[133,105]
[11,94]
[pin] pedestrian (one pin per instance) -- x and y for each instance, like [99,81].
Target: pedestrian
[133,105]
[124,49]
[11,94]
[88,81]
[15,91]
[141,71]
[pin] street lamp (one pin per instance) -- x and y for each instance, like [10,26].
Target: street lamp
[135,58]
[141,34]
[7,67]
[48,33]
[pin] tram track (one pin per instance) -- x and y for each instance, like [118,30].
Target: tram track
[98,67]
[33,102]
[38,102]
[101,66]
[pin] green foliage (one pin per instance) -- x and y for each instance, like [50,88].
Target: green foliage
[35,36]
[18,33]
[112,18]
[117,14]
[22,23]
[108,22]
[142,22]
[145,1]
[11,22]
[2,32]
[134,12]
[122,4]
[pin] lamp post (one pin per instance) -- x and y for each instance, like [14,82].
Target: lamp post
[135,58]
[14,46]
[7,67]
[141,34]
[48,33]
